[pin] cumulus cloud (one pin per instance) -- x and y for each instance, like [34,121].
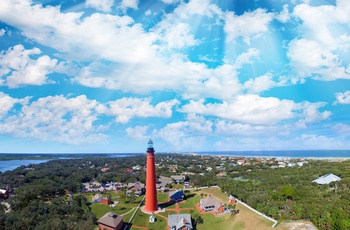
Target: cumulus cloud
[309,58]
[7,103]
[170,1]
[245,108]
[253,109]
[341,128]
[126,108]
[249,26]
[2,32]
[230,128]
[284,15]
[260,84]
[56,119]
[114,38]
[189,134]
[102,5]
[137,132]
[125,4]
[319,51]
[17,68]
[343,98]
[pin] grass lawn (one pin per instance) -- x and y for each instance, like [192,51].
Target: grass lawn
[162,197]
[142,219]
[245,219]
[190,202]
[100,209]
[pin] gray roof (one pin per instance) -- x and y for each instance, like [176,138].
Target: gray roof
[138,185]
[210,201]
[178,177]
[179,220]
[110,219]
[96,197]
[326,179]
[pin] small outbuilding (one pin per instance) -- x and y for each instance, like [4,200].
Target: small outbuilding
[152,219]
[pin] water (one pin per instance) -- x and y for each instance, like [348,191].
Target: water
[284,154]
[13,164]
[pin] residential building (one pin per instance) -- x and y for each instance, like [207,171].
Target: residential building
[176,196]
[211,204]
[326,179]
[97,198]
[110,221]
[180,222]
[138,188]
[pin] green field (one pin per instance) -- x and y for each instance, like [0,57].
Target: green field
[245,219]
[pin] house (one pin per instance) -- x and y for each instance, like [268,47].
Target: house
[97,198]
[211,204]
[178,178]
[180,222]
[240,162]
[105,169]
[163,182]
[138,188]
[110,221]
[326,179]
[176,196]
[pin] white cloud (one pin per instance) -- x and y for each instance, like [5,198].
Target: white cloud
[103,5]
[2,32]
[56,119]
[126,4]
[137,132]
[311,113]
[249,26]
[126,108]
[260,84]
[309,58]
[253,109]
[246,57]
[324,40]
[7,102]
[113,38]
[342,128]
[185,135]
[197,7]
[229,128]
[245,108]
[148,12]
[170,1]
[318,21]
[17,68]
[176,35]
[284,15]
[343,98]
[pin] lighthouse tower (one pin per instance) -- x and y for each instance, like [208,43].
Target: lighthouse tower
[151,191]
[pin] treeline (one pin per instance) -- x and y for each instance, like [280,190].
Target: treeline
[47,195]
[289,193]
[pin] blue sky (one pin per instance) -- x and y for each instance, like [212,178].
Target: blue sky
[196,75]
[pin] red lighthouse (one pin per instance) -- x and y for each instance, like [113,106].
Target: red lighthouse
[151,191]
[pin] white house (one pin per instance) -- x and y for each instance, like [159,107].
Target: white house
[326,179]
